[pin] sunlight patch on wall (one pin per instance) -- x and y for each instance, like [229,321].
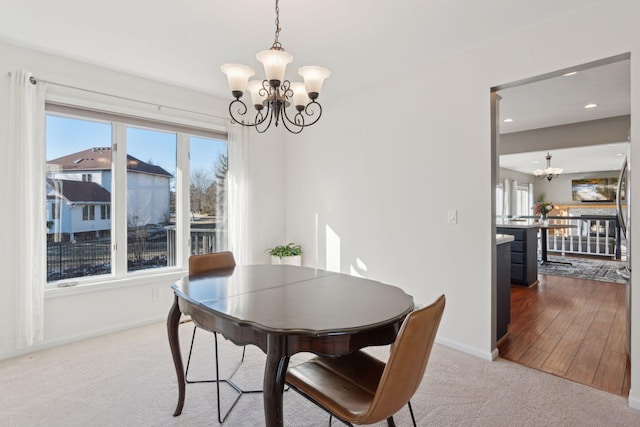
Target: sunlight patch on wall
[332,250]
[359,269]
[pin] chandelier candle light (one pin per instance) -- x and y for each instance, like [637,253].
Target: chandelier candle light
[549,173]
[274,94]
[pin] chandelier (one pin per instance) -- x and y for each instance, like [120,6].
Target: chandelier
[273,96]
[549,173]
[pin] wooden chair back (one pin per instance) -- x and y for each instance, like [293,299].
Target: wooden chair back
[208,262]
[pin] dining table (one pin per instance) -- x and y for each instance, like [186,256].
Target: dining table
[284,310]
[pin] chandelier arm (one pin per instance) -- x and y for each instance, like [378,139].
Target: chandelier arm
[310,110]
[269,113]
[295,121]
[287,123]
[242,111]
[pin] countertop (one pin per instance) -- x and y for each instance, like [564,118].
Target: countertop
[518,223]
[504,238]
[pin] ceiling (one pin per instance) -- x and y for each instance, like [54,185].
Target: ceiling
[184,43]
[595,158]
[560,100]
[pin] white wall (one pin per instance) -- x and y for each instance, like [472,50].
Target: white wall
[516,176]
[74,313]
[267,216]
[375,180]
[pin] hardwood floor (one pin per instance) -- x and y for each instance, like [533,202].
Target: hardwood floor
[571,328]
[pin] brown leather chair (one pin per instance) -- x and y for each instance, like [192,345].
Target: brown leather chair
[208,262]
[201,264]
[359,388]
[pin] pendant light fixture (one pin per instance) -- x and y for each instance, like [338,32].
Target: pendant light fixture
[272,97]
[549,173]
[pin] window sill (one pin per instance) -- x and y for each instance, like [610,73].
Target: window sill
[110,283]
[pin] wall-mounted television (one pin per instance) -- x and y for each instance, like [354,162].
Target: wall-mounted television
[594,189]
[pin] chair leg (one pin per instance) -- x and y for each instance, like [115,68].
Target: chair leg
[390,422]
[411,412]
[217,380]
[186,371]
[221,419]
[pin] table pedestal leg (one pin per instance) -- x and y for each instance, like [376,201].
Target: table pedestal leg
[543,250]
[275,372]
[173,321]
[543,245]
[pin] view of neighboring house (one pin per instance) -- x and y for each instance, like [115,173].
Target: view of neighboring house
[79,194]
[75,207]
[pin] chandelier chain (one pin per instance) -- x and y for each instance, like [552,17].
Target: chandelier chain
[276,43]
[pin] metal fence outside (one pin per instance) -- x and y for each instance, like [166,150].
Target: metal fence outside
[67,260]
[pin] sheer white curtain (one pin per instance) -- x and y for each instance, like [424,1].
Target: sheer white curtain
[515,209]
[239,168]
[531,202]
[27,150]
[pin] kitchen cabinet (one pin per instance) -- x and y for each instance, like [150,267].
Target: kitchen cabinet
[524,252]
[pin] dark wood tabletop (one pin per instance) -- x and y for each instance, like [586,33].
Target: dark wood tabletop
[284,310]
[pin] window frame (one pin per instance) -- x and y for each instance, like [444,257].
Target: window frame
[120,119]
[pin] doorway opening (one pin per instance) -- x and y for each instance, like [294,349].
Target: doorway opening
[573,327]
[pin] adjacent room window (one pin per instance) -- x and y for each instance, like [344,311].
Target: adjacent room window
[106,198]
[499,201]
[523,208]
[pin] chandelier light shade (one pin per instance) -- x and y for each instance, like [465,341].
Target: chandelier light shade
[549,173]
[275,99]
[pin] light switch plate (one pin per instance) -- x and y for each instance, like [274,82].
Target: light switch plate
[452,216]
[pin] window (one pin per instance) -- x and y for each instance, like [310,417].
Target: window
[523,207]
[88,213]
[208,195]
[55,210]
[136,180]
[105,212]
[499,201]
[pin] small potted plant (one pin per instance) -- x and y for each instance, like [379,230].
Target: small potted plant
[290,254]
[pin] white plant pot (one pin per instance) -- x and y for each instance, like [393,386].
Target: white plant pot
[288,260]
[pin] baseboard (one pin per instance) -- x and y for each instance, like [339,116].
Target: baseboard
[71,339]
[482,354]
[634,401]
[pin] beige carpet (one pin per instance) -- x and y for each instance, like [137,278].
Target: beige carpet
[127,379]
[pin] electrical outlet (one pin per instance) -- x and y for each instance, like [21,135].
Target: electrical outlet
[155,294]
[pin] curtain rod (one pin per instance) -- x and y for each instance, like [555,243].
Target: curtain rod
[35,80]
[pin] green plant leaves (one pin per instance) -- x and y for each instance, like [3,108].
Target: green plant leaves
[290,249]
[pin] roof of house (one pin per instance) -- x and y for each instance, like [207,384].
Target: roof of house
[99,158]
[79,191]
